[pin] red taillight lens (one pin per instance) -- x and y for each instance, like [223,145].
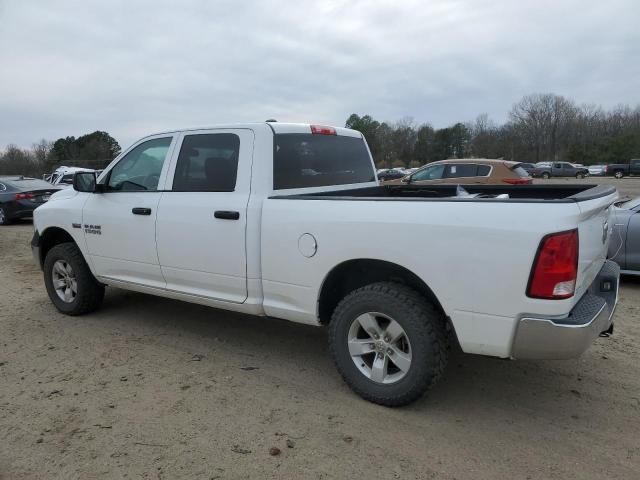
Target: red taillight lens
[322,130]
[517,181]
[555,268]
[24,196]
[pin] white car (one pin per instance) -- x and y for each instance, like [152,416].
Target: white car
[62,177]
[230,217]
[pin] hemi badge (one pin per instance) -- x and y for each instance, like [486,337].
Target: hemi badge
[76,225]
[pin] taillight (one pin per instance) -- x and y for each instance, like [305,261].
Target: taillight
[25,196]
[517,181]
[555,268]
[322,130]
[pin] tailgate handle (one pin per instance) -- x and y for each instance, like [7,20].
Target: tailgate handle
[141,211]
[226,214]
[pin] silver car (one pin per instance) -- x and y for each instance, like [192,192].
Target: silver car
[624,244]
[598,170]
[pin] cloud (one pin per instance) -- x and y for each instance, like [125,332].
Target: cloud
[132,68]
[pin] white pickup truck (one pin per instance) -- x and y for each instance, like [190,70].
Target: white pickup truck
[288,221]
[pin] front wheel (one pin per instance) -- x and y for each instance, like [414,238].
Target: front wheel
[546,176]
[580,175]
[70,284]
[388,343]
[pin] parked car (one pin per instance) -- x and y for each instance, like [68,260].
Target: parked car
[624,244]
[528,167]
[62,177]
[20,195]
[560,169]
[390,174]
[468,171]
[288,221]
[620,170]
[597,170]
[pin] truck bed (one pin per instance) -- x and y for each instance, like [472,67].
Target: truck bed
[447,193]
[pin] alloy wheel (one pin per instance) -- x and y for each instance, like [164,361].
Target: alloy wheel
[379,347]
[64,281]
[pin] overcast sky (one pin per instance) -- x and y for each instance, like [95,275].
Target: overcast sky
[136,67]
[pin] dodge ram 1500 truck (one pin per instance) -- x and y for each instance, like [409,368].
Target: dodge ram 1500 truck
[288,221]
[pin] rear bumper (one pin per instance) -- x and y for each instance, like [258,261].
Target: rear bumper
[569,337]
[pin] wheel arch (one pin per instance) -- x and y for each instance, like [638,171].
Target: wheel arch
[51,237]
[353,274]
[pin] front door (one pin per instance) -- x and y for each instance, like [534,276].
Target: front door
[202,216]
[120,223]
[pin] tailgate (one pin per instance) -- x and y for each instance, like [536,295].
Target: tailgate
[593,231]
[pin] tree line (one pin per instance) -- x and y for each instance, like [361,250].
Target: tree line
[94,150]
[540,127]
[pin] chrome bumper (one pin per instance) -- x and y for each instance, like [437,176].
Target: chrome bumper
[544,338]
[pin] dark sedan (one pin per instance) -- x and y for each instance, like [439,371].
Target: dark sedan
[624,244]
[20,196]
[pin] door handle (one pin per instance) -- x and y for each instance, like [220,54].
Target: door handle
[141,211]
[227,214]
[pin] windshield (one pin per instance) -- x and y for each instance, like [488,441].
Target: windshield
[304,160]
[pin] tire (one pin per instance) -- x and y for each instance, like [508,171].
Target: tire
[579,175]
[546,176]
[424,338]
[4,218]
[619,174]
[88,293]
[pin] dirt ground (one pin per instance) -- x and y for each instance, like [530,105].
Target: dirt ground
[149,388]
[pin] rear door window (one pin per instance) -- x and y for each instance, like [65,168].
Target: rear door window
[461,170]
[305,160]
[207,163]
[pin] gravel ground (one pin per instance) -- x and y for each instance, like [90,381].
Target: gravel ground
[152,388]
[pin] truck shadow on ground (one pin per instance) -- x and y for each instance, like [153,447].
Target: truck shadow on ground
[492,387]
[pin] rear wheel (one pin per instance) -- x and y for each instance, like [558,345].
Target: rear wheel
[388,342]
[4,219]
[546,175]
[70,284]
[618,174]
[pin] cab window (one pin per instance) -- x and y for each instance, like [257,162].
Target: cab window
[139,170]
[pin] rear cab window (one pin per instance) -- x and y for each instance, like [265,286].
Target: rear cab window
[303,160]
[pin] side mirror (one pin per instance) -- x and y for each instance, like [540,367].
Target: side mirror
[84,182]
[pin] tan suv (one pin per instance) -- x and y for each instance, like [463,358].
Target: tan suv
[468,171]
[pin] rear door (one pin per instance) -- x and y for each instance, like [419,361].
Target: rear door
[202,216]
